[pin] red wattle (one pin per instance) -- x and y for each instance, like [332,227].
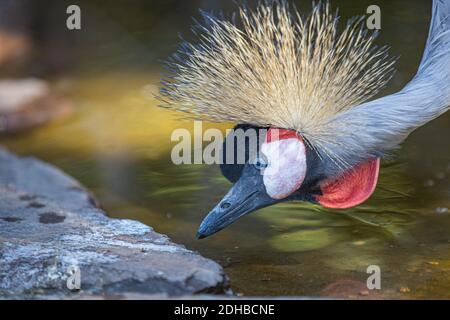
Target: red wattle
[352,188]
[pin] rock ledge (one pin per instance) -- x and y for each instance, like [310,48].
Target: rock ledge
[49,223]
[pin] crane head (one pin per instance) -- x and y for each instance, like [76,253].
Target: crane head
[285,168]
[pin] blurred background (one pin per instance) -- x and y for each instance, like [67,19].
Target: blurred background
[83,100]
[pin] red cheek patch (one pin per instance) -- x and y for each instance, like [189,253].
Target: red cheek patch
[281,134]
[352,188]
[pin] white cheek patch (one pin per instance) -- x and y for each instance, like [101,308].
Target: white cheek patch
[286,167]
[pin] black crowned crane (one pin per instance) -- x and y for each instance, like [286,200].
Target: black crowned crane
[307,84]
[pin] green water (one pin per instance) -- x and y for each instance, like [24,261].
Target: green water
[117,143]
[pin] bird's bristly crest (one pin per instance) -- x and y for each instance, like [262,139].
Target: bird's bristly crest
[273,67]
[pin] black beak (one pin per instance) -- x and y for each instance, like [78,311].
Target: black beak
[246,196]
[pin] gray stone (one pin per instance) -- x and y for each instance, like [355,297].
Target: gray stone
[27,103]
[50,223]
[15,48]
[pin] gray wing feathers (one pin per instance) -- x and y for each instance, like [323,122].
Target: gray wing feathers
[374,128]
[440,26]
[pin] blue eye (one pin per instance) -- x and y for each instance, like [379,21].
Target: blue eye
[260,163]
